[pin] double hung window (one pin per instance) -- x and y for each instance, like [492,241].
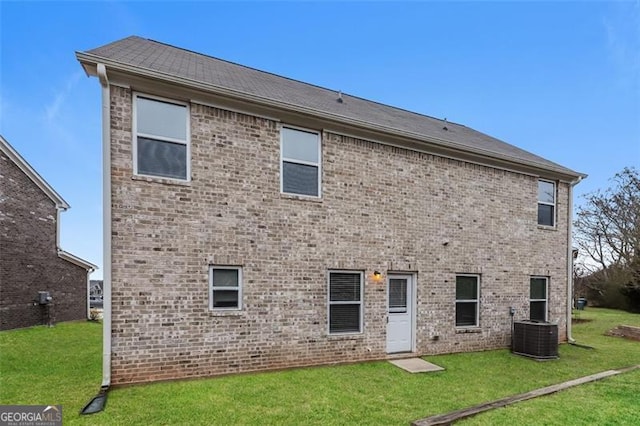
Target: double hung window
[538,297]
[300,162]
[546,203]
[161,138]
[225,287]
[345,302]
[467,300]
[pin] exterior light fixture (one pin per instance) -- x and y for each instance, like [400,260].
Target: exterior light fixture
[377,275]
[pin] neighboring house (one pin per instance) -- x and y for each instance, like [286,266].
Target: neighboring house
[31,260]
[95,294]
[258,222]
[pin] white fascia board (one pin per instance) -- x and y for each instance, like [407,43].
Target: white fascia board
[76,260]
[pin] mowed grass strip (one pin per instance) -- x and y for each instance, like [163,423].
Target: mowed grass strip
[365,393]
[612,401]
[58,365]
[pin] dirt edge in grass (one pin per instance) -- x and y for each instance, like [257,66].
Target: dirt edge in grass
[448,418]
[626,331]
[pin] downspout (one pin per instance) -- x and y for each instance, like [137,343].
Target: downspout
[106,225]
[99,401]
[58,228]
[570,338]
[88,295]
[89,272]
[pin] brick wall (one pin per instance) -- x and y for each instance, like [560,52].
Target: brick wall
[29,260]
[382,208]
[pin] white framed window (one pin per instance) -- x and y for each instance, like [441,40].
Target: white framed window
[300,152]
[546,203]
[538,298]
[345,302]
[161,145]
[467,300]
[225,287]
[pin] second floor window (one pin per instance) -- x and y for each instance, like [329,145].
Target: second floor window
[161,138]
[300,164]
[546,203]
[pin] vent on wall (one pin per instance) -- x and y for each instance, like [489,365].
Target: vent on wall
[535,339]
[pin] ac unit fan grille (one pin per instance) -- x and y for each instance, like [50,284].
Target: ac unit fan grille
[535,339]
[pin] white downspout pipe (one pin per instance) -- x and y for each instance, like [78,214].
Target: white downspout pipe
[89,295]
[106,225]
[570,338]
[58,228]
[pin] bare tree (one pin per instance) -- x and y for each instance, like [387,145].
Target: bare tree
[608,232]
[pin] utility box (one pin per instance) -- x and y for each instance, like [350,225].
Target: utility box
[535,339]
[44,298]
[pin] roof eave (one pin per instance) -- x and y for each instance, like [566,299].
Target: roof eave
[35,177]
[76,260]
[89,63]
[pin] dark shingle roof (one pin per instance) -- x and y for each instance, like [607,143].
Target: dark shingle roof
[165,59]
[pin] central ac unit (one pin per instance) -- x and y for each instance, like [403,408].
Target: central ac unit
[535,339]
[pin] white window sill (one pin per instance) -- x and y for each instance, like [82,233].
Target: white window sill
[467,330]
[547,228]
[166,181]
[301,197]
[346,336]
[227,313]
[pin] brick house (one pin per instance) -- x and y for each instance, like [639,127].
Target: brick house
[95,293]
[31,260]
[258,222]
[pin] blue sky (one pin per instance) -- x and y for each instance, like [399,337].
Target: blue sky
[561,79]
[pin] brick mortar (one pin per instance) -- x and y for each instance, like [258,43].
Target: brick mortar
[29,260]
[382,208]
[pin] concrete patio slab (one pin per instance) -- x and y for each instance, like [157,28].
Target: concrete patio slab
[416,365]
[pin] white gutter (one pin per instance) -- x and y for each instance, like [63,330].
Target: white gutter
[106,225]
[570,338]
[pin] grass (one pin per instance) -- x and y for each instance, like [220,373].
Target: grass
[613,401]
[61,365]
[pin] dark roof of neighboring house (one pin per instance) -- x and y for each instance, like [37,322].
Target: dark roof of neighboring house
[145,55]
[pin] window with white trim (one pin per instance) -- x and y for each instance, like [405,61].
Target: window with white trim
[546,203]
[345,302]
[161,138]
[225,287]
[300,162]
[538,298]
[467,300]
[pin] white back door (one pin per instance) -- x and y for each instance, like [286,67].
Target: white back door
[399,313]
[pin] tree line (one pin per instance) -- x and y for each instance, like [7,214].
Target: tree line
[607,232]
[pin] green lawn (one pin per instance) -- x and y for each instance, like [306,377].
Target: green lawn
[61,365]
